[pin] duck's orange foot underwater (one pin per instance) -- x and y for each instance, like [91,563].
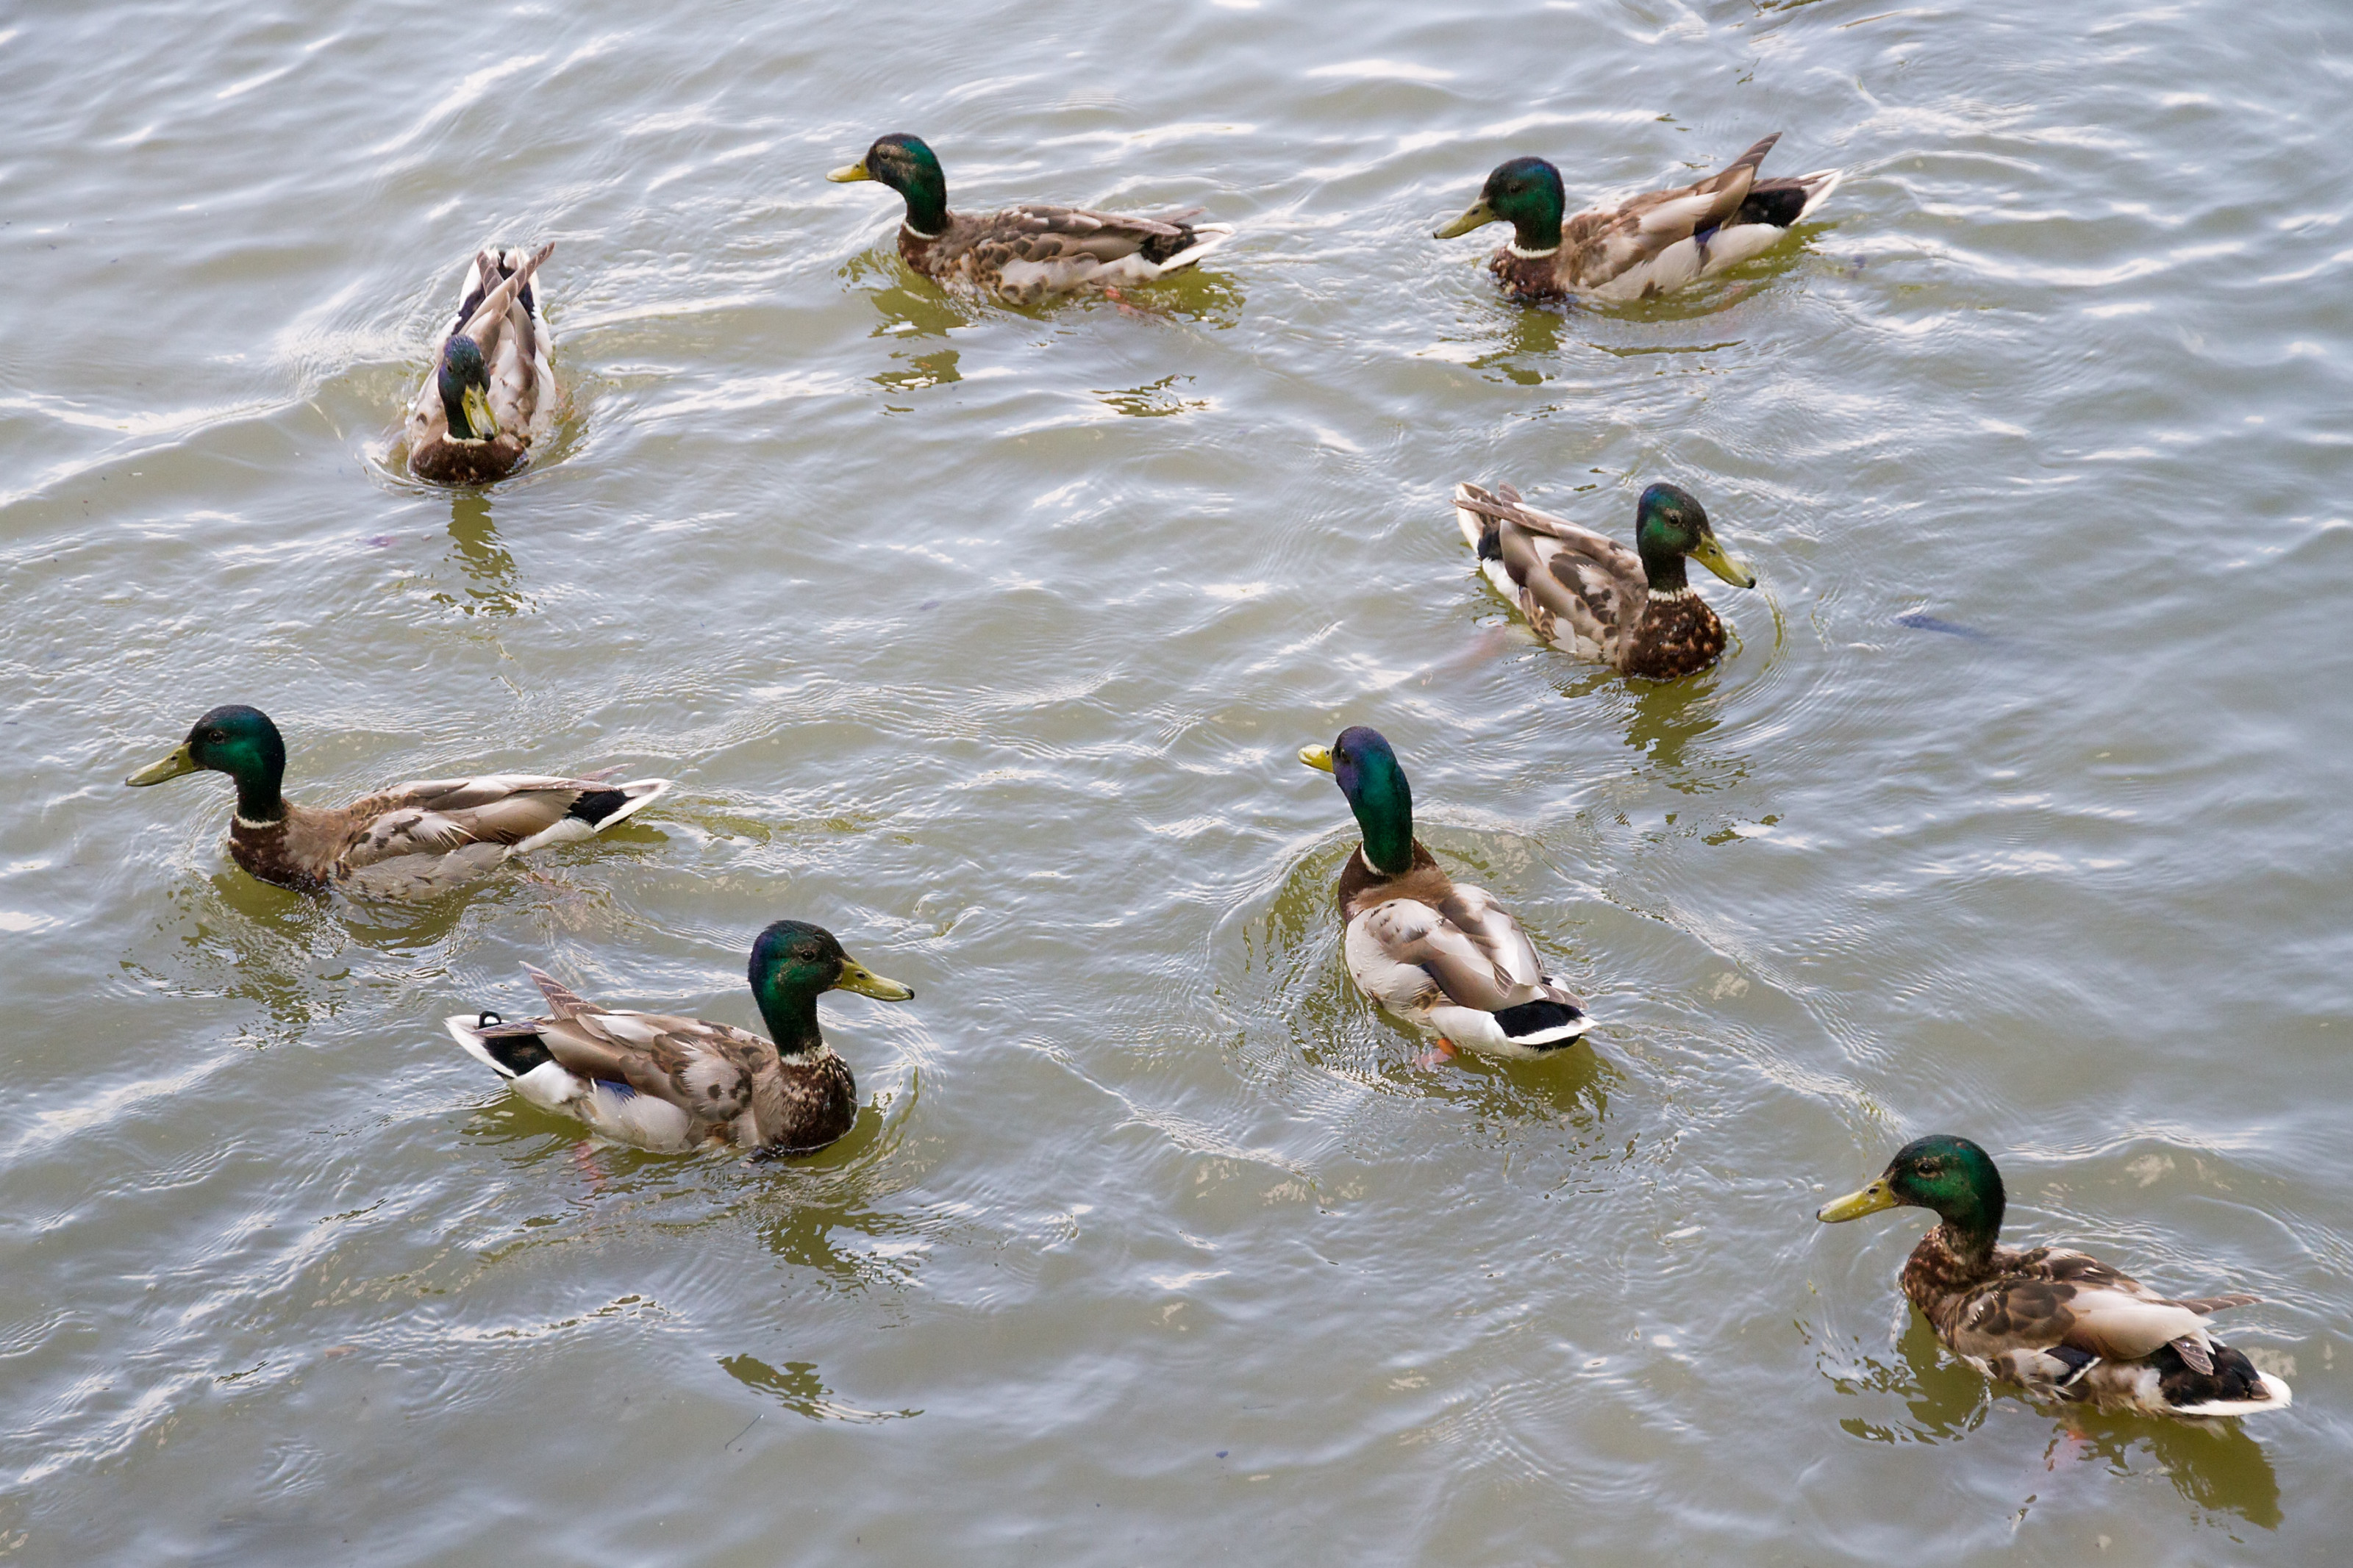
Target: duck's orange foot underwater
[1445,1051]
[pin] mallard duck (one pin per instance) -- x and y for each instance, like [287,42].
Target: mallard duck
[1651,244]
[409,841]
[671,1084]
[493,394]
[1027,254]
[1591,597]
[1441,954]
[2062,1325]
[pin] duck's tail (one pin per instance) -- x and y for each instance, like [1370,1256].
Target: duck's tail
[1199,240]
[596,810]
[2231,1387]
[507,1049]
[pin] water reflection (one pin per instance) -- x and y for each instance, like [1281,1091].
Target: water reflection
[796,1387]
[1667,721]
[1155,399]
[231,936]
[1946,1399]
[2217,1466]
[1528,353]
[485,560]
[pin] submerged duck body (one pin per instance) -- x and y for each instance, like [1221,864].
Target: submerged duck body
[1652,244]
[491,393]
[1441,955]
[413,841]
[2060,1324]
[1025,255]
[1589,595]
[671,1084]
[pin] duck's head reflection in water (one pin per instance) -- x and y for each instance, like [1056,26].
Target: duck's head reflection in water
[488,566]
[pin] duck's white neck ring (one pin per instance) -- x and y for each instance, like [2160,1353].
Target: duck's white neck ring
[1672,595]
[1513,247]
[249,822]
[910,228]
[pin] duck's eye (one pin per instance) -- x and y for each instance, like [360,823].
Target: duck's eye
[215,736]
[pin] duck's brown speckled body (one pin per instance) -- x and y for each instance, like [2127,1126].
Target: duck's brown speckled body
[513,358]
[1650,243]
[1030,254]
[1441,955]
[412,840]
[2058,1323]
[1594,597]
[672,1084]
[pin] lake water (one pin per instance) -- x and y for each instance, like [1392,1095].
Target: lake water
[987,638]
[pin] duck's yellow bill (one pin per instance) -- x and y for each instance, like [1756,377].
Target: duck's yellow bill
[850,172]
[485,423]
[1318,757]
[1711,555]
[856,976]
[171,767]
[1855,1206]
[1478,215]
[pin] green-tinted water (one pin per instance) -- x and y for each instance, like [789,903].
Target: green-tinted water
[986,639]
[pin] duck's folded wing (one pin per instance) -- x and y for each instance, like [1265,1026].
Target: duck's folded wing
[492,808]
[1496,934]
[1503,504]
[1411,933]
[699,1066]
[1605,243]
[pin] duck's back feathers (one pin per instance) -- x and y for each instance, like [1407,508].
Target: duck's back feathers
[420,839]
[1444,954]
[1028,254]
[1660,241]
[2066,1326]
[664,1082]
[1578,589]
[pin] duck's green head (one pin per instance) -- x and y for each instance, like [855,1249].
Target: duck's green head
[1670,524]
[792,963]
[909,167]
[1942,1172]
[238,741]
[1525,193]
[465,384]
[1369,776]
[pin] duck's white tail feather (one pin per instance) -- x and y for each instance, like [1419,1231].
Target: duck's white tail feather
[2282,1397]
[641,794]
[463,1029]
[1206,238]
[1819,184]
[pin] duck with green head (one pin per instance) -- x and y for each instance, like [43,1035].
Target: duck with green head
[1633,610]
[491,393]
[1441,955]
[672,1084]
[1651,244]
[2060,1324]
[1024,255]
[410,841]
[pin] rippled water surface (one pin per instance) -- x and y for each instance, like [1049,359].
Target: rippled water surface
[987,638]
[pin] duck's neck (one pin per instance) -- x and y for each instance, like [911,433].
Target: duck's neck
[1384,808]
[791,1017]
[260,785]
[1968,1229]
[1665,568]
[927,203]
[453,407]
